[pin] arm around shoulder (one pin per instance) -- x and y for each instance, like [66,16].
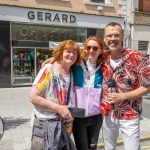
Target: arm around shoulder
[50,60]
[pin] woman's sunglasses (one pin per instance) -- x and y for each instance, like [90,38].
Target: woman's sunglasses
[95,48]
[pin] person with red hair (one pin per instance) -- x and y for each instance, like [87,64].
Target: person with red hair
[88,86]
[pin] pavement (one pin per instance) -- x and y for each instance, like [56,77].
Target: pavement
[16,109]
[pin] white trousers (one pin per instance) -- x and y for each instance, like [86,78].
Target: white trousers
[130,130]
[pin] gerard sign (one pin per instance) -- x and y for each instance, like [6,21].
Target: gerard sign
[52,17]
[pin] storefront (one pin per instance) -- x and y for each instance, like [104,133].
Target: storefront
[33,33]
[32,44]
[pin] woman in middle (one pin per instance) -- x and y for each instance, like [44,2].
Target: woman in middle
[88,85]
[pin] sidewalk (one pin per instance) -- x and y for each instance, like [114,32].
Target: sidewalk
[16,109]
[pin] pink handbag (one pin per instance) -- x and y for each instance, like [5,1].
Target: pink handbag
[89,99]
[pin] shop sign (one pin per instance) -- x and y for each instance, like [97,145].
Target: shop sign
[46,16]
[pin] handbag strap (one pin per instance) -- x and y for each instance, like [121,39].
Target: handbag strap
[68,93]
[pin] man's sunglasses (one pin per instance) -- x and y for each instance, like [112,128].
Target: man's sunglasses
[95,48]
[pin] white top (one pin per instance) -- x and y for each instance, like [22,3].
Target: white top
[89,73]
[114,63]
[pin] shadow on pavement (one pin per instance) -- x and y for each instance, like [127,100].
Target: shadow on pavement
[11,123]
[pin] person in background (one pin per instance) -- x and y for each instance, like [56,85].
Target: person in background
[131,73]
[88,85]
[52,94]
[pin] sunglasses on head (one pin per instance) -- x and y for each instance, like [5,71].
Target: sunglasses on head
[95,48]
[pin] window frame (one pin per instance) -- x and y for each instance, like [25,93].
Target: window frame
[107,3]
[97,1]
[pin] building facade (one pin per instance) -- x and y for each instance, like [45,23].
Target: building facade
[30,29]
[138,25]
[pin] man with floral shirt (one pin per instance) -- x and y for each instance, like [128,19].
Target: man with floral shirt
[131,72]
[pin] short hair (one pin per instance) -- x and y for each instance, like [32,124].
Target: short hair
[99,41]
[67,44]
[114,24]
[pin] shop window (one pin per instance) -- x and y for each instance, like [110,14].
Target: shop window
[41,56]
[27,63]
[46,33]
[81,35]
[100,33]
[91,32]
[23,66]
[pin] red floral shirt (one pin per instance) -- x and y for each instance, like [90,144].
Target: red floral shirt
[132,72]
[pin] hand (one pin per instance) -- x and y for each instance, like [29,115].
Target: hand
[50,60]
[65,113]
[116,97]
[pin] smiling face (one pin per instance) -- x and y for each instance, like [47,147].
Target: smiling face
[113,37]
[69,56]
[67,52]
[93,50]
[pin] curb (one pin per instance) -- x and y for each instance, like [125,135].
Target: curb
[120,142]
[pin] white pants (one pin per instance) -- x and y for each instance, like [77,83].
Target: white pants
[130,130]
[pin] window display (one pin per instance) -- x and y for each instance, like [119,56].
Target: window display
[41,56]
[23,66]
[27,63]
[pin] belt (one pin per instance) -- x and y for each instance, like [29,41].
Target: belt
[55,119]
[51,119]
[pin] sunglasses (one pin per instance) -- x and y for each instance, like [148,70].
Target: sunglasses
[95,48]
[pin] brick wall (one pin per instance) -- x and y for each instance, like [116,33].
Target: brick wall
[144,5]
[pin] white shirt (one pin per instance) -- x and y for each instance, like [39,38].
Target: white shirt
[114,63]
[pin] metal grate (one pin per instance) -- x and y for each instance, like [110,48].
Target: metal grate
[143,46]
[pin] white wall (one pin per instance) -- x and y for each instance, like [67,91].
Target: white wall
[140,33]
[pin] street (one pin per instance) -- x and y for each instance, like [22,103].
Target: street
[16,109]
